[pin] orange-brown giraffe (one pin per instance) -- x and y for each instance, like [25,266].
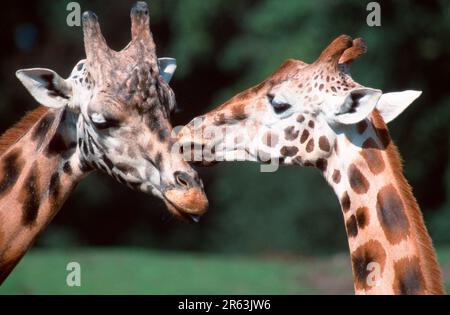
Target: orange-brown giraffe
[316,115]
[111,114]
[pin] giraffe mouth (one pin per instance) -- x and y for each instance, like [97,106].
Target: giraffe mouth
[181,215]
[187,205]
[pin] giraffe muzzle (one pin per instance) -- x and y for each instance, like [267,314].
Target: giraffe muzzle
[188,205]
[186,199]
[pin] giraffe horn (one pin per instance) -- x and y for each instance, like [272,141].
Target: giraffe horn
[94,42]
[334,51]
[351,54]
[140,25]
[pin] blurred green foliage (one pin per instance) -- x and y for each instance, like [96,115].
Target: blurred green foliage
[223,47]
[294,209]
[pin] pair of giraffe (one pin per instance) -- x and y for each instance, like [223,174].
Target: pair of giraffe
[112,114]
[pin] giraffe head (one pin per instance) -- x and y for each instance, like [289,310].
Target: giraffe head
[120,104]
[294,116]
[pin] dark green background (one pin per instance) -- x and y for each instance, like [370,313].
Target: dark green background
[223,47]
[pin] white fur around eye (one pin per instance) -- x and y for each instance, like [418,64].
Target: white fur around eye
[98,118]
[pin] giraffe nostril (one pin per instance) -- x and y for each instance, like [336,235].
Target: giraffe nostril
[184,180]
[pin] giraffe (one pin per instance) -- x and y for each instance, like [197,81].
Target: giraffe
[112,114]
[316,115]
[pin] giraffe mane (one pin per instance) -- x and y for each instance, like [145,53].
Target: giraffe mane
[432,274]
[13,134]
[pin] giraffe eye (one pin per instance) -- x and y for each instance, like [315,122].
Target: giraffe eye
[278,105]
[101,122]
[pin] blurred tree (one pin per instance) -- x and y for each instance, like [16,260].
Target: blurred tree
[245,201]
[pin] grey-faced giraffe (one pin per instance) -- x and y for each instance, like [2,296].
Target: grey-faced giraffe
[111,114]
[316,115]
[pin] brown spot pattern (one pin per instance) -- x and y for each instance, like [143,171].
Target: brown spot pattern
[324,144]
[10,170]
[362,217]
[30,196]
[310,146]
[67,168]
[289,151]
[370,252]
[383,135]
[290,133]
[351,226]
[408,277]
[219,119]
[391,214]
[41,129]
[345,202]
[357,180]
[56,146]
[238,112]
[304,136]
[54,188]
[371,153]
[336,176]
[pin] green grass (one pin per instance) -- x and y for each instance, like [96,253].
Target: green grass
[146,272]
[131,271]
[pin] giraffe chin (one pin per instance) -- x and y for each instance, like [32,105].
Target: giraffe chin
[187,205]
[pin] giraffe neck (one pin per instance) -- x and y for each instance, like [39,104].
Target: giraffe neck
[390,248]
[38,171]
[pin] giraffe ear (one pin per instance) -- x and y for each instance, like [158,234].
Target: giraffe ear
[357,105]
[167,67]
[391,105]
[46,86]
